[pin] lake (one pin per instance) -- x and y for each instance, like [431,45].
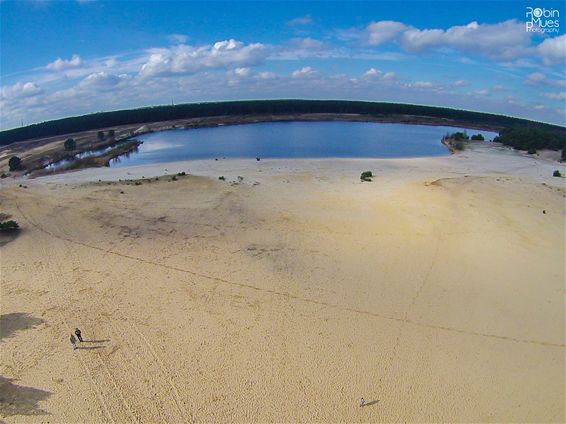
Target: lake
[293,140]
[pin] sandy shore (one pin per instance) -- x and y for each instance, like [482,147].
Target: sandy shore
[436,292]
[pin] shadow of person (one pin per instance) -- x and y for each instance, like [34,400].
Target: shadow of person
[96,341]
[10,324]
[373,402]
[20,400]
[90,347]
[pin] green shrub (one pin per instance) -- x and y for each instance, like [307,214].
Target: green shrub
[15,163]
[100,135]
[478,137]
[459,136]
[458,144]
[9,226]
[366,176]
[70,144]
[556,173]
[181,174]
[222,178]
[531,151]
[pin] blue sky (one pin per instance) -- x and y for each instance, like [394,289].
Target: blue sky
[62,58]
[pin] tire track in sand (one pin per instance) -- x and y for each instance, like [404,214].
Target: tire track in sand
[123,334]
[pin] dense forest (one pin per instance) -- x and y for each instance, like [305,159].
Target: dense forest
[271,107]
[532,139]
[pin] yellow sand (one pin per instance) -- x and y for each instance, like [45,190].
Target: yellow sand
[433,295]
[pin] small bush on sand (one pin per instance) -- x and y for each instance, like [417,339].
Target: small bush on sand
[459,136]
[9,226]
[70,144]
[556,173]
[174,178]
[222,178]
[478,137]
[181,174]
[15,163]
[366,176]
[531,151]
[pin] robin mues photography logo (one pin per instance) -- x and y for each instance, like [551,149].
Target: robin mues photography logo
[540,19]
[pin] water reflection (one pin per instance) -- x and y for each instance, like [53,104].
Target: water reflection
[293,140]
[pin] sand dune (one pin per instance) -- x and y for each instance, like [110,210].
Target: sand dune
[435,292]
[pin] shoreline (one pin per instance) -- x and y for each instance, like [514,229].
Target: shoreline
[486,158]
[38,151]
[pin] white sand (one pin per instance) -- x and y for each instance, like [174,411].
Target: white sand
[437,291]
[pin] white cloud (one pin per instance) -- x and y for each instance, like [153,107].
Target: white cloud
[177,38]
[538,78]
[103,90]
[553,50]
[103,80]
[374,73]
[422,84]
[502,41]
[184,59]
[266,75]
[384,31]
[307,43]
[307,71]
[62,64]
[555,96]
[20,90]
[461,83]
[242,72]
[301,20]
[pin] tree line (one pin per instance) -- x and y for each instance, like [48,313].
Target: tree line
[259,107]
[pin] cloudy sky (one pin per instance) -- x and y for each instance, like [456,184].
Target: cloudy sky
[63,58]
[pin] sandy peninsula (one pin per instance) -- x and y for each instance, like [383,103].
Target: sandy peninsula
[435,292]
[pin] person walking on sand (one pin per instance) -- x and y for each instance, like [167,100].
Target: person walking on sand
[362,402]
[73,342]
[78,333]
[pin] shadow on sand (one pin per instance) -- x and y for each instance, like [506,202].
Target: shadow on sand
[20,400]
[16,321]
[373,402]
[90,347]
[6,238]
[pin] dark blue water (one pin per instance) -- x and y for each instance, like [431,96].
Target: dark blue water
[293,140]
